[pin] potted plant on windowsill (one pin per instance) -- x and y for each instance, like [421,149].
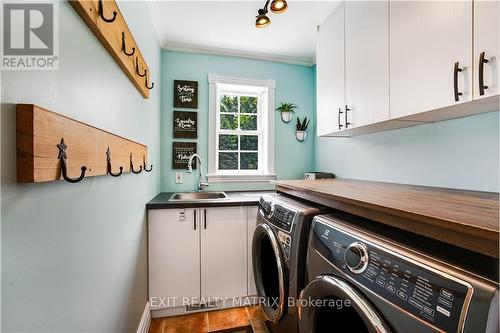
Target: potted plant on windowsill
[286,110]
[301,129]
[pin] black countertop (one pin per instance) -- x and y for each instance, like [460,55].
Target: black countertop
[234,198]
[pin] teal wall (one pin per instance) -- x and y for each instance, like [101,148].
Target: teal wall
[458,153]
[293,84]
[74,256]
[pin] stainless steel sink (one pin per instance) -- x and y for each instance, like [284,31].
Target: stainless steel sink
[198,196]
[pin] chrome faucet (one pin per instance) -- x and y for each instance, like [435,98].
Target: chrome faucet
[201,184]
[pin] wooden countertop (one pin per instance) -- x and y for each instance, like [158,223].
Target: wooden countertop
[468,219]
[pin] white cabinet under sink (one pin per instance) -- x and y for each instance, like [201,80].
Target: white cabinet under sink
[174,255]
[199,253]
[224,252]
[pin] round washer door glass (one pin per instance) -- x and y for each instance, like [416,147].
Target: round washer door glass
[269,272]
[328,302]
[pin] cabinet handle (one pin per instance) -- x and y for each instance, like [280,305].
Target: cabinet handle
[205,218]
[455,81]
[194,223]
[482,61]
[340,125]
[346,122]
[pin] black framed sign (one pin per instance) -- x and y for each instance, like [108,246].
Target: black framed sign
[185,124]
[181,151]
[186,94]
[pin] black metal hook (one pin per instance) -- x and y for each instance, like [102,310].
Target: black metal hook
[101,13]
[137,68]
[62,158]
[144,164]
[108,171]
[149,87]
[124,49]
[132,166]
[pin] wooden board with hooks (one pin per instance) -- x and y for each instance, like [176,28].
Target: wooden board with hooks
[108,25]
[39,133]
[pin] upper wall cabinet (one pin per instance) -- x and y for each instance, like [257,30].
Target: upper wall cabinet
[385,65]
[366,62]
[353,67]
[430,55]
[330,74]
[486,48]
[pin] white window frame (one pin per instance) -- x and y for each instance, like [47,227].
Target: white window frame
[265,90]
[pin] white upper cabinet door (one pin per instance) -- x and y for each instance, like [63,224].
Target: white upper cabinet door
[367,62]
[174,252]
[330,74]
[486,39]
[252,224]
[224,252]
[427,39]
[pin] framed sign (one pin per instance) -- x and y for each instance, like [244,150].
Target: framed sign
[181,151]
[186,94]
[185,124]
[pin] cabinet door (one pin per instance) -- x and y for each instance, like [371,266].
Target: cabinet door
[174,252]
[224,252]
[330,88]
[252,223]
[367,62]
[486,39]
[426,39]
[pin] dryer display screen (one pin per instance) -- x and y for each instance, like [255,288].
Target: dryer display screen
[431,296]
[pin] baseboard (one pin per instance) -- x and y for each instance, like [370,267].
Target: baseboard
[181,310]
[145,320]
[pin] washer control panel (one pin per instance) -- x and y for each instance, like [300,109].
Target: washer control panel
[431,296]
[276,214]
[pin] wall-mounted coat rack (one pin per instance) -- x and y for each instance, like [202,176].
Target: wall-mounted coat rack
[109,26]
[52,147]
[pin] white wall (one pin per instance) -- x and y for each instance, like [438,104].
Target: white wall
[74,256]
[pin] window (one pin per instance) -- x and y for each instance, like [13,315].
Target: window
[241,138]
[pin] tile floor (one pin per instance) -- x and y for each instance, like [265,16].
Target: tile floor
[211,321]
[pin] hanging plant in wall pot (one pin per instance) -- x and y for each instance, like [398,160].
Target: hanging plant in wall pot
[301,129]
[286,110]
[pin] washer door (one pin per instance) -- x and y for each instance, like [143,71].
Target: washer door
[269,272]
[328,303]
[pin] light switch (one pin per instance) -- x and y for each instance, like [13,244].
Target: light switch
[179,179]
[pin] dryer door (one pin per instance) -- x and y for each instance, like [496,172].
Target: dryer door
[329,302]
[269,272]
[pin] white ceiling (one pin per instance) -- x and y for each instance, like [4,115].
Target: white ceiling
[228,27]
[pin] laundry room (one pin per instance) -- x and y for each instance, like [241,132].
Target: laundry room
[270,166]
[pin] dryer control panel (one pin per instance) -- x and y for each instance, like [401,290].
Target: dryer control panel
[277,214]
[434,297]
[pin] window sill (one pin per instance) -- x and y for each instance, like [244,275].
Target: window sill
[241,178]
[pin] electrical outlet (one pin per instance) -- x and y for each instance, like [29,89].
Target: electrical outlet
[179,178]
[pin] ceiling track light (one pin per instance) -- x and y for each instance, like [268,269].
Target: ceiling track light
[277,7]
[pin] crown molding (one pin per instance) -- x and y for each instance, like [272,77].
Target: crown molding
[189,48]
